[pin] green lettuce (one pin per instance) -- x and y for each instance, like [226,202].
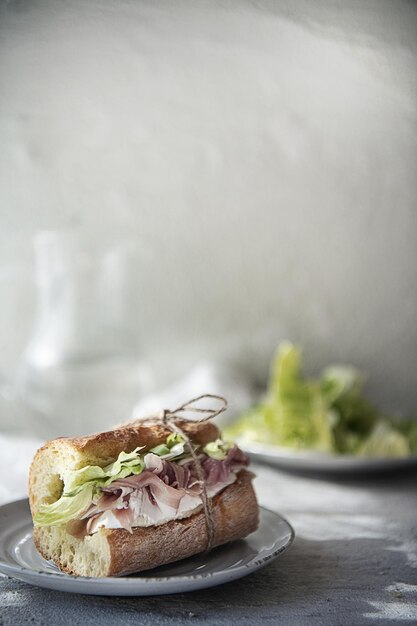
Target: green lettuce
[68,507]
[384,440]
[127,463]
[291,398]
[82,485]
[217,449]
[329,414]
[173,448]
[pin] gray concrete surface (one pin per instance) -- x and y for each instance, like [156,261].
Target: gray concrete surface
[354,561]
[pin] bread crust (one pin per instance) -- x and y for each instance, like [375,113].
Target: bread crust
[125,438]
[235,514]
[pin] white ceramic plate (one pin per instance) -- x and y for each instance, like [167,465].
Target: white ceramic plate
[20,559]
[311,461]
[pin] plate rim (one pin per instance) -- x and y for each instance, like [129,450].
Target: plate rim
[283,453]
[130,581]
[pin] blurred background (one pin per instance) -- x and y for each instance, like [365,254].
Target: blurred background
[213,177]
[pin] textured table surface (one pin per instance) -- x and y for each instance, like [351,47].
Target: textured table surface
[354,561]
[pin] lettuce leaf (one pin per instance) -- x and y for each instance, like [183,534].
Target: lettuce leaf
[68,507]
[173,448]
[217,449]
[80,487]
[299,412]
[385,441]
[127,463]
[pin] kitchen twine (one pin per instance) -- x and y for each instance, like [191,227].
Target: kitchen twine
[167,418]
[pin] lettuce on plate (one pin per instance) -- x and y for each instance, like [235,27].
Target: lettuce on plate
[329,414]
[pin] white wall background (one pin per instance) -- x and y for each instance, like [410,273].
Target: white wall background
[263,154]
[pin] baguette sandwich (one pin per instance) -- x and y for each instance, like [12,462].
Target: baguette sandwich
[130,499]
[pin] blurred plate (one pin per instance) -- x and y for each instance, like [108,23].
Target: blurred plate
[20,559]
[319,462]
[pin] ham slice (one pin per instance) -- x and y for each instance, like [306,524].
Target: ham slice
[158,490]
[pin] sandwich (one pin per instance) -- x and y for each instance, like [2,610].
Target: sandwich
[139,496]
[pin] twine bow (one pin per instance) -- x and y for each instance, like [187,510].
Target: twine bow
[168,418]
